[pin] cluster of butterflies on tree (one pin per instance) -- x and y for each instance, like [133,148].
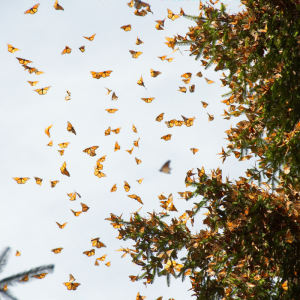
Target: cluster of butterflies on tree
[166,204]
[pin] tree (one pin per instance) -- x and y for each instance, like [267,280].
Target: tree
[9,281]
[251,247]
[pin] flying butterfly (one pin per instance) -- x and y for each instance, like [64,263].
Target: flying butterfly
[162,57]
[182,89]
[76,213]
[138,41]
[33,83]
[172,16]
[138,161]
[140,180]
[70,128]
[71,285]
[21,180]
[134,128]
[111,110]
[169,59]
[101,159]
[154,73]
[64,170]
[192,88]
[126,186]
[148,100]
[137,198]
[30,70]
[90,38]
[22,61]
[194,150]
[25,278]
[209,81]
[102,258]
[43,91]
[114,96]
[107,131]
[103,74]
[126,27]
[108,91]
[89,253]
[136,143]
[161,22]
[38,180]
[204,104]
[32,10]
[187,75]
[117,130]
[98,173]
[72,196]
[56,250]
[166,167]
[57,6]
[135,54]
[141,13]
[114,188]
[177,50]
[178,123]
[166,137]
[141,82]
[91,150]
[63,145]
[186,81]
[108,264]
[170,123]
[159,117]
[18,253]
[210,117]
[199,74]
[67,98]
[82,48]
[67,50]
[129,151]
[117,147]
[158,27]
[54,183]
[40,276]
[96,243]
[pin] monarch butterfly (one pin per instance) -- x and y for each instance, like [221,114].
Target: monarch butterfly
[108,91]
[108,264]
[22,61]
[114,96]
[141,13]
[32,10]
[98,173]
[209,81]
[72,196]
[192,88]
[99,166]
[102,258]
[204,104]
[76,213]
[25,278]
[18,253]
[161,196]
[162,57]
[54,183]
[72,279]
[182,12]
[38,180]
[101,74]
[154,73]
[30,70]
[107,131]
[67,98]
[130,4]
[111,110]
[56,250]
[90,38]
[141,82]
[129,151]
[57,6]
[126,186]
[139,297]
[21,180]
[194,150]
[114,188]
[138,161]
[172,16]
[204,62]
[4,289]
[140,180]
[96,262]
[135,54]
[96,243]
[187,75]
[166,167]
[64,170]
[137,198]
[82,48]
[166,137]
[71,286]
[186,81]
[170,123]
[61,152]
[159,117]
[40,276]
[161,22]
[67,50]
[138,41]
[178,123]
[91,150]
[210,117]
[33,83]
[126,27]
[117,130]
[148,100]
[158,27]
[117,147]
[63,145]
[61,226]
[169,59]
[199,74]
[101,159]
[89,253]
[70,128]
[43,91]
[177,50]
[136,143]
[188,121]
[182,89]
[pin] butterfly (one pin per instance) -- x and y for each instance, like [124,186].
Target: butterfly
[162,57]
[98,173]
[159,117]
[114,96]
[182,89]
[209,81]
[101,159]
[111,110]
[178,123]
[43,91]
[40,276]
[161,22]
[135,54]
[177,50]
[99,166]
[140,180]
[32,10]
[129,151]
[90,38]
[169,59]
[67,98]
[25,278]
[204,62]
[166,167]
[170,123]
[70,128]
[91,150]
[38,180]
[67,50]
[141,82]
[61,226]
[192,88]
[137,198]
[63,145]
[56,250]
[141,13]
[172,16]
[138,41]
[199,74]
[210,117]
[102,258]
[22,61]
[76,213]
[139,297]
[72,196]
[138,161]
[117,147]
[107,131]
[108,91]
[96,262]
[82,48]
[57,6]
[148,100]
[64,170]
[21,180]
[194,150]
[96,243]
[166,137]
[18,253]
[108,264]
[71,286]
[54,183]
[158,27]
[117,130]
[103,74]
[4,289]
[114,188]
[33,83]
[154,73]
[126,27]
[126,186]
[186,81]
[136,143]
[187,75]
[204,104]
[89,253]
[38,72]
[61,152]
[30,70]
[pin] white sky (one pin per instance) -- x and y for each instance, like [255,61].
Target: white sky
[29,212]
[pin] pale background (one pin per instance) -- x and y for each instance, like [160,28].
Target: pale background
[29,212]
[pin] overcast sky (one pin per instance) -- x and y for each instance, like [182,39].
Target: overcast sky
[29,212]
